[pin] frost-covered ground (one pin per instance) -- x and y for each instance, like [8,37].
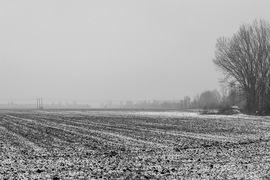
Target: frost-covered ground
[61,144]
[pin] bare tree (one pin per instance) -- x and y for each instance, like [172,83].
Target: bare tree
[224,93]
[245,61]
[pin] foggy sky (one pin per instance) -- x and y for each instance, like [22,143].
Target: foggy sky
[115,50]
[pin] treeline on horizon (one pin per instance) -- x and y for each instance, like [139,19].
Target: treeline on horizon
[207,99]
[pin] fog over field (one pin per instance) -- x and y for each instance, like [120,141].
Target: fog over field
[114,50]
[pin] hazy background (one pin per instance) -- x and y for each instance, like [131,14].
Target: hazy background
[115,50]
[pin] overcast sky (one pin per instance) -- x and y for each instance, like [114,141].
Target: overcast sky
[115,50]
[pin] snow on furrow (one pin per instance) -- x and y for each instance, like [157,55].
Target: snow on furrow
[57,126]
[121,136]
[34,135]
[15,117]
[22,139]
[72,129]
[180,133]
[135,129]
[174,133]
[125,138]
[131,139]
[194,135]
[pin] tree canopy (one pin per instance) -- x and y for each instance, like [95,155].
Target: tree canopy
[244,59]
[209,99]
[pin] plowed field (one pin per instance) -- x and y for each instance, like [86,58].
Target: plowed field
[81,144]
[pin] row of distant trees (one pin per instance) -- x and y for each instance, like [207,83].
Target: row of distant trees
[244,59]
[206,100]
[209,99]
[155,104]
[226,97]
